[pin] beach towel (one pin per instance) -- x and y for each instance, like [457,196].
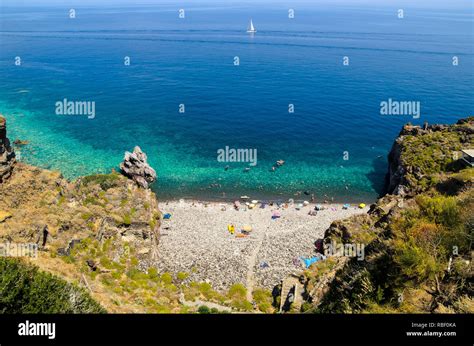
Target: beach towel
[308,261]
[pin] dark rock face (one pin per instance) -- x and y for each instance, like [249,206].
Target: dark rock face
[7,155]
[136,167]
[396,171]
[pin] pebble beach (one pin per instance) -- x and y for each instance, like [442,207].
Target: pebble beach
[196,240]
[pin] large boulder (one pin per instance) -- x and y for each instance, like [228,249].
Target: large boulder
[7,155]
[136,167]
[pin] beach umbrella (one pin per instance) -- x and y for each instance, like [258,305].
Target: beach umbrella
[362,205]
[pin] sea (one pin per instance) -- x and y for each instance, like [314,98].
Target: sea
[185,80]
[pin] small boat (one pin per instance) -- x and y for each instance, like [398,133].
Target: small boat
[280,163]
[251,29]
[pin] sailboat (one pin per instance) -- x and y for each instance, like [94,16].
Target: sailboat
[251,28]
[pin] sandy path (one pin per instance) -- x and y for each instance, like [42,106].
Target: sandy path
[251,265]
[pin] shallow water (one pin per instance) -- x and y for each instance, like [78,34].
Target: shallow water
[191,62]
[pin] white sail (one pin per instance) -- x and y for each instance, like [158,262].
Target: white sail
[251,27]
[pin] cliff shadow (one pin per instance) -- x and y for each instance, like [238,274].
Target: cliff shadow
[378,175]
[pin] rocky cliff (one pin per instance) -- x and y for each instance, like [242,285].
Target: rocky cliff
[82,228]
[7,155]
[418,238]
[420,154]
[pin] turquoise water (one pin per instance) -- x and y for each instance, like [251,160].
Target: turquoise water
[190,61]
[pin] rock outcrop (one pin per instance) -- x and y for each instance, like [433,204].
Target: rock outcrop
[7,155]
[136,167]
[419,152]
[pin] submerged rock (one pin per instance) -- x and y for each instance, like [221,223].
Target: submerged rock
[7,155]
[136,167]
[20,142]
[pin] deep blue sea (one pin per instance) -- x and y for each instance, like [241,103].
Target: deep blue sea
[190,61]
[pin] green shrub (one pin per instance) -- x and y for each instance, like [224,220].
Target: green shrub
[182,276]
[106,181]
[263,299]
[26,290]
[415,263]
[204,310]
[440,209]
[152,273]
[237,291]
[127,219]
[93,200]
[136,274]
[166,278]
